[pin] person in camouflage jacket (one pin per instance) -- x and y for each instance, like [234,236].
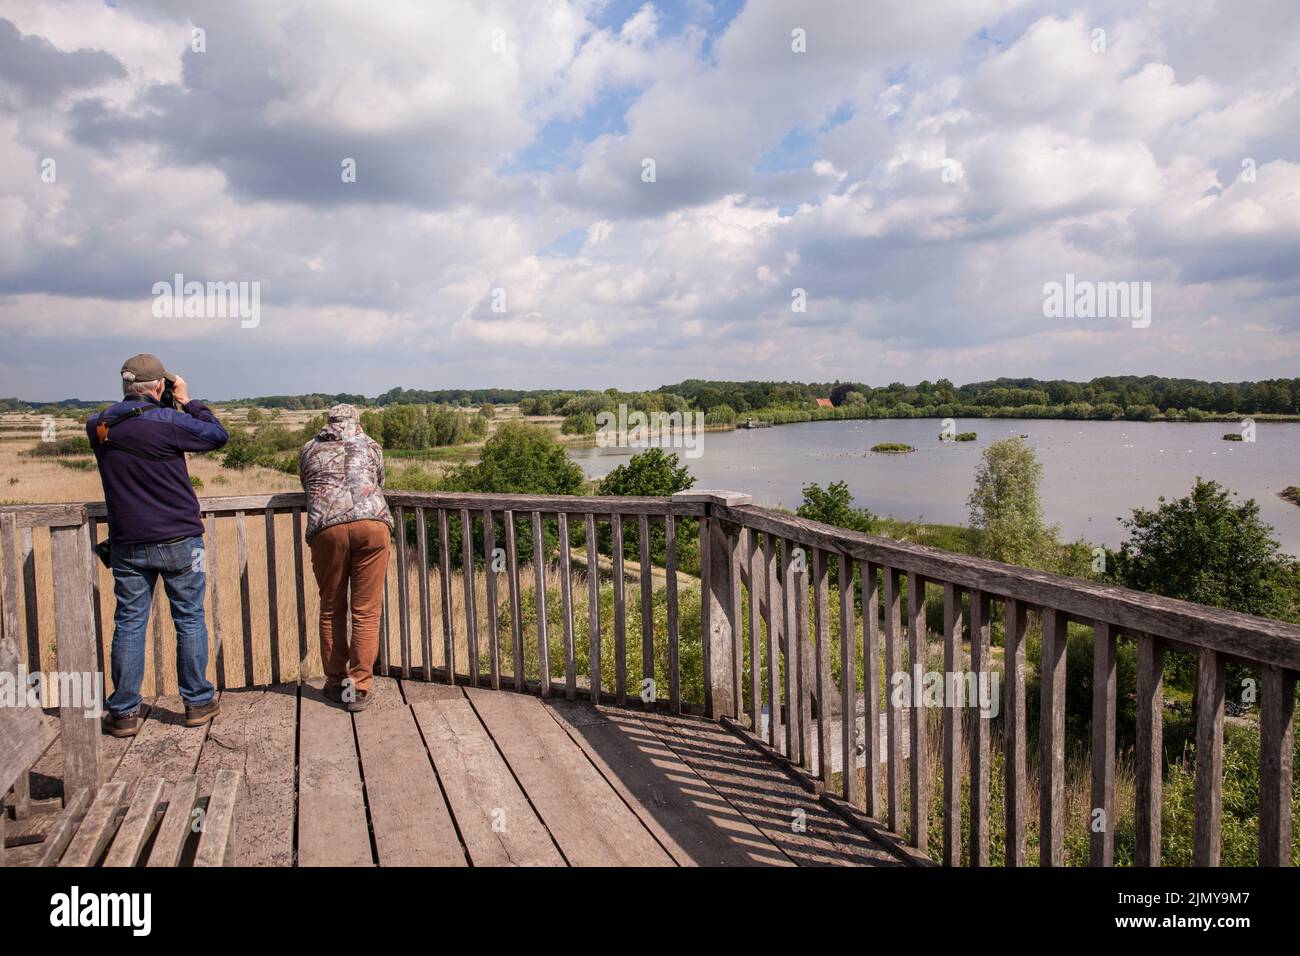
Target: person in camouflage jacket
[342,471]
[349,528]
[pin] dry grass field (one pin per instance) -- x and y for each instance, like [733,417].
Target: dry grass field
[25,479]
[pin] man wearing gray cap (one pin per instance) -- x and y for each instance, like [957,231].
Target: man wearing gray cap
[348,531]
[154,530]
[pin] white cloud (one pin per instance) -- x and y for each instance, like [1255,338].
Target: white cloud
[932,169]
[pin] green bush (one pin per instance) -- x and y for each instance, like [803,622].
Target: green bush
[583,423]
[72,445]
[271,446]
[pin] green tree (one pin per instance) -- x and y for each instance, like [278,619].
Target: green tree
[1208,548]
[1005,506]
[521,459]
[833,505]
[654,473]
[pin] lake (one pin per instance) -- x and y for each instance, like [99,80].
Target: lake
[1093,472]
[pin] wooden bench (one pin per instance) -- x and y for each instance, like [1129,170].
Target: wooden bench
[147,831]
[25,732]
[108,829]
[104,828]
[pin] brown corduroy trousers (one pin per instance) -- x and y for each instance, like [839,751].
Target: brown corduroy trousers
[352,555]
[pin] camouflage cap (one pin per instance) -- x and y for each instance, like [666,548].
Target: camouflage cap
[343,412]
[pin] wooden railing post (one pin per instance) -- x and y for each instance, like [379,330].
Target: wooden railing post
[1276,748]
[1102,846]
[1014,620]
[1149,756]
[953,626]
[24,731]
[917,639]
[74,631]
[1051,741]
[719,617]
[1210,694]
[981,716]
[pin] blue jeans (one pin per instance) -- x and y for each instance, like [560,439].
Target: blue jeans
[136,568]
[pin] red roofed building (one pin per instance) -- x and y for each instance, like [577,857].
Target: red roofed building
[824,403]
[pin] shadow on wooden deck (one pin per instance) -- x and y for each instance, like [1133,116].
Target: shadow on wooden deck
[453,776]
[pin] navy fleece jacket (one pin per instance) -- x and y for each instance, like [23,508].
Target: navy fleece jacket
[151,501]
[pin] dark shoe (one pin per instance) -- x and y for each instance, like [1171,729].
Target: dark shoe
[333,692]
[128,725]
[361,703]
[200,715]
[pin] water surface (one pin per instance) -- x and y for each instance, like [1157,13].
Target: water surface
[1093,472]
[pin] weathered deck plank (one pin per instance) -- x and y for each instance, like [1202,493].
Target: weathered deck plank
[332,828]
[421,692]
[443,775]
[689,819]
[495,820]
[164,747]
[412,825]
[256,733]
[793,819]
[589,821]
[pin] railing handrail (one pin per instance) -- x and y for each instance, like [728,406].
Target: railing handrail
[58,514]
[1245,636]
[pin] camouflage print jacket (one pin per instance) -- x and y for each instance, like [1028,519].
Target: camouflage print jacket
[342,471]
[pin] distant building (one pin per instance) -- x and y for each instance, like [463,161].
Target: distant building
[824,403]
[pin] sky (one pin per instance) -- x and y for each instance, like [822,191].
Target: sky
[864,190]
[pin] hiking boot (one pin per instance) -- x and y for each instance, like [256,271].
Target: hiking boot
[333,692]
[128,725]
[361,703]
[200,715]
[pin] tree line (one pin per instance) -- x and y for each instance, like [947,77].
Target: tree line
[1108,397]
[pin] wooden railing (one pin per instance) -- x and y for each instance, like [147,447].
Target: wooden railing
[768,651]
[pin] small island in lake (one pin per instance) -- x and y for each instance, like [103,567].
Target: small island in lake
[892,448]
